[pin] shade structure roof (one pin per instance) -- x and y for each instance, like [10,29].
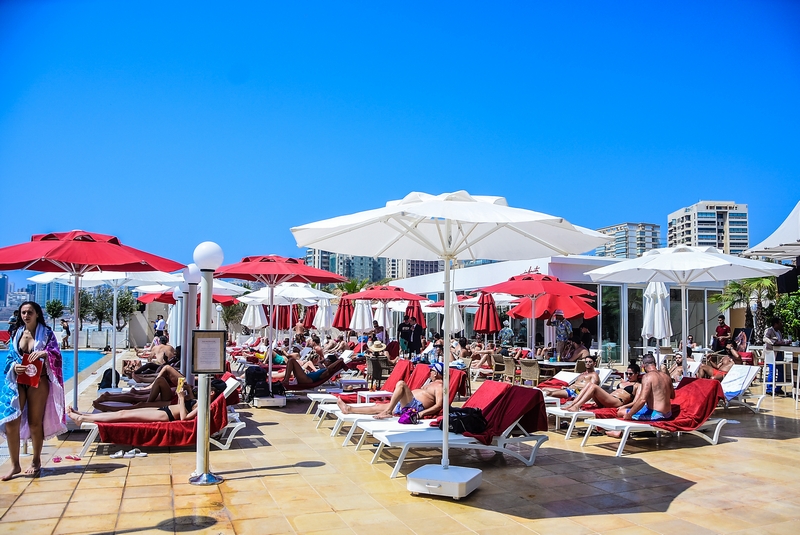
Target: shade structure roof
[458,301]
[274,269]
[514,233]
[684,265]
[384,293]
[79,251]
[535,284]
[784,243]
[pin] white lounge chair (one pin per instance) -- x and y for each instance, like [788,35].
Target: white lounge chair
[736,385]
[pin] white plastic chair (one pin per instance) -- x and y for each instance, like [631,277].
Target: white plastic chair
[788,372]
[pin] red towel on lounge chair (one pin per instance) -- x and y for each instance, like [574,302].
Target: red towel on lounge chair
[516,402]
[458,383]
[401,372]
[175,434]
[393,348]
[420,376]
[694,403]
[553,383]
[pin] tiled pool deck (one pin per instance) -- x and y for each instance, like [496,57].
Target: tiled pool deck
[284,476]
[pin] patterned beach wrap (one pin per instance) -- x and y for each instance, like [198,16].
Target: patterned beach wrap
[55,420]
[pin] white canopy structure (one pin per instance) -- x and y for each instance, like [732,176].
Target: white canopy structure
[784,243]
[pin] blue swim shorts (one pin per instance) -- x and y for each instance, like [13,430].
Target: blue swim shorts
[415,404]
[646,414]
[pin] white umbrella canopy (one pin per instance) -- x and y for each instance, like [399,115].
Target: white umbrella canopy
[456,320]
[447,227]
[295,291]
[261,297]
[685,265]
[323,320]
[254,317]
[362,316]
[499,299]
[220,288]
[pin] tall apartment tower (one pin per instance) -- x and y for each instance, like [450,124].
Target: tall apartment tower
[720,224]
[4,289]
[631,240]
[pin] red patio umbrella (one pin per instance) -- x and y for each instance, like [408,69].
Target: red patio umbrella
[386,294]
[414,309]
[535,285]
[273,270]
[344,314]
[547,304]
[487,321]
[78,252]
[308,319]
[286,317]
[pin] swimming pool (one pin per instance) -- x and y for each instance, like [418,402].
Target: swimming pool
[86,357]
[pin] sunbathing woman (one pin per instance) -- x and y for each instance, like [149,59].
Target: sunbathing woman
[295,369]
[159,391]
[185,409]
[621,397]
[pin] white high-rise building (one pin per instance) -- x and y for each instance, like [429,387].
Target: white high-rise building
[720,224]
[631,240]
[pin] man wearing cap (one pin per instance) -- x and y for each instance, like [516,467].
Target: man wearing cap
[428,400]
[563,331]
[506,334]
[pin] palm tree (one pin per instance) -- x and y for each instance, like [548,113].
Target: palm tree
[763,289]
[735,295]
[742,293]
[350,287]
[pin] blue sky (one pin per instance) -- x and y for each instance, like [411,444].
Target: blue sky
[171,123]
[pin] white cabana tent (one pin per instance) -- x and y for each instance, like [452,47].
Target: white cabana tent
[784,243]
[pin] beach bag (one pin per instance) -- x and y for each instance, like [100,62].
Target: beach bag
[105,382]
[408,416]
[466,419]
[255,382]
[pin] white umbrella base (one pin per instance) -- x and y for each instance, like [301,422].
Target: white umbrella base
[433,479]
[277,401]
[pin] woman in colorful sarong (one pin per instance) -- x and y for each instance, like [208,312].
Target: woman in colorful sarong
[28,412]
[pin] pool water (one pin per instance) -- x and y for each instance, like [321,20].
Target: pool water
[86,357]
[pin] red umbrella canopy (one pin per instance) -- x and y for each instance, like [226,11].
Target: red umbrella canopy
[384,293]
[534,285]
[274,269]
[344,314]
[487,320]
[308,319]
[547,304]
[79,251]
[414,309]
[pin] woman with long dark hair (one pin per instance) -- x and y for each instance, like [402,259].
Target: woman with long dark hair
[27,411]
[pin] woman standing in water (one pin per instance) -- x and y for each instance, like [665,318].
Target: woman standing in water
[27,411]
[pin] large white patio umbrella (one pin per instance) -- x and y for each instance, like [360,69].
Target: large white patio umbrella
[254,317]
[685,265]
[656,314]
[323,319]
[117,280]
[362,316]
[448,227]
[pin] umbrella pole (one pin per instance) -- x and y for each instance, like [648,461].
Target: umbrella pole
[271,334]
[77,306]
[446,363]
[684,324]
[532,330]
[114,339]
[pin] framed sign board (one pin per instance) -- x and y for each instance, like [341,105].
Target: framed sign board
[208,351]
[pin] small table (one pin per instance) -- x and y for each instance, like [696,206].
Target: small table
[788,356]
